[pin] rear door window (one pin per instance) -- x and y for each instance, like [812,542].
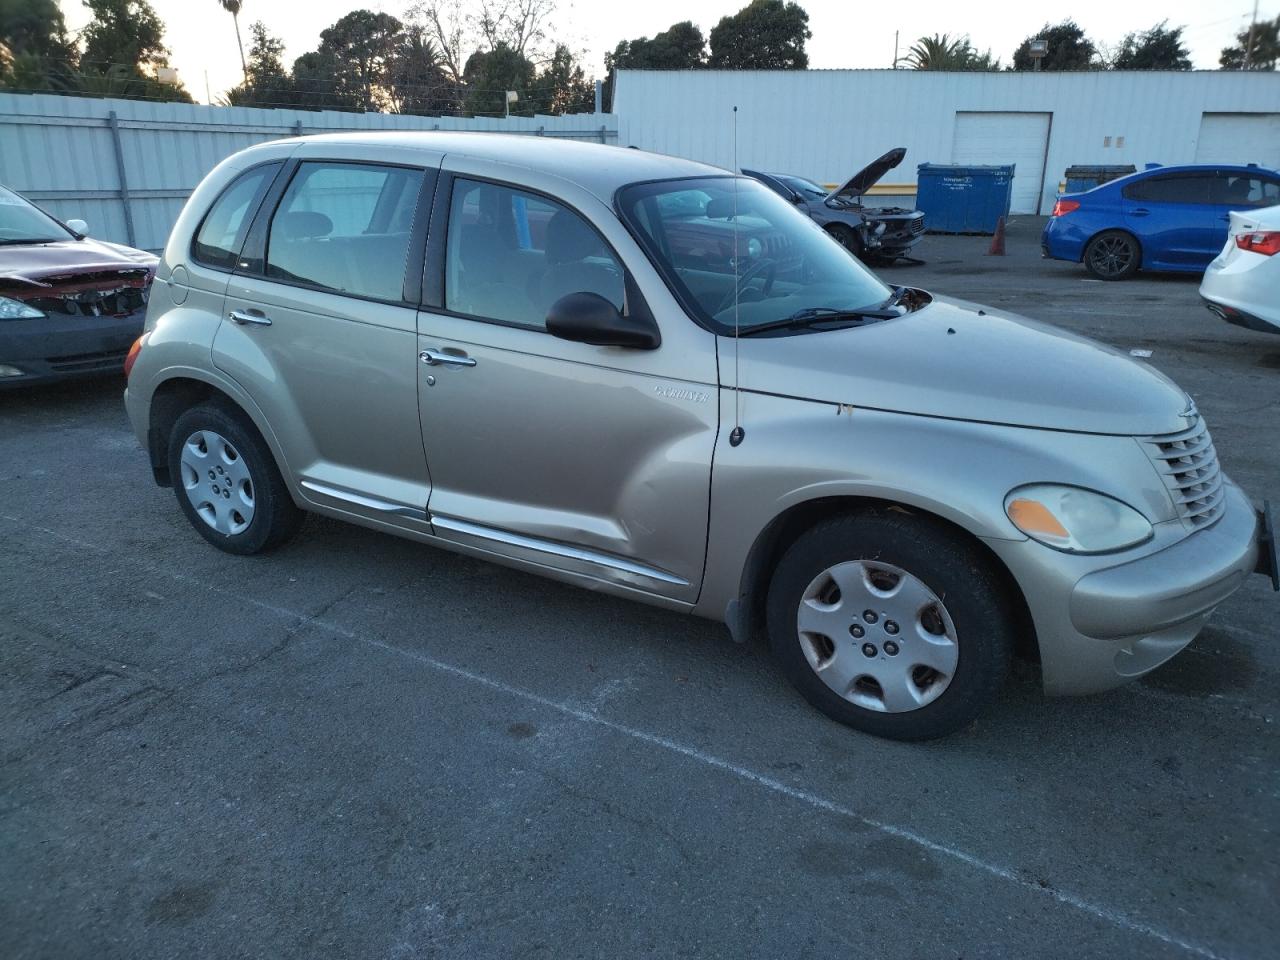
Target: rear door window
[225,226]
[1174,188]
[345,227]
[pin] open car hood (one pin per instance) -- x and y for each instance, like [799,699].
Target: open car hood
[864,179]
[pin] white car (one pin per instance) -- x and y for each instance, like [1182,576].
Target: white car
[1242,285]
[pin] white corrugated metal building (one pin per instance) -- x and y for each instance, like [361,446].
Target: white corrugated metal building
[826,124]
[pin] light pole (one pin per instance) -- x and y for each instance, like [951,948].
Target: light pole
[1037,50]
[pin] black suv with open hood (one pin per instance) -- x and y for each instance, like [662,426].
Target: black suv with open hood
[874,234]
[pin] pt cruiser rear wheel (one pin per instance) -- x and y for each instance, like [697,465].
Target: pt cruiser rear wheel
[227,482]
[890,624]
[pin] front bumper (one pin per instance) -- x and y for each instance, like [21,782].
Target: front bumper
[1099,628]
[59,346]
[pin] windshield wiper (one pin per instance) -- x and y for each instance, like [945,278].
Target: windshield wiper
[11,241]
[811,316]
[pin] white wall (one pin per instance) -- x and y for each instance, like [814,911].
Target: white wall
[825,124]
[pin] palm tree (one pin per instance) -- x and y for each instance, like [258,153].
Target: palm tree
[233,7]
[940,52]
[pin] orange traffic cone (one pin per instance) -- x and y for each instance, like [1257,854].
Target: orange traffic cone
[997,241]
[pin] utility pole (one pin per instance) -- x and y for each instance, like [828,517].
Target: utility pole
[895,49]
[1248,47]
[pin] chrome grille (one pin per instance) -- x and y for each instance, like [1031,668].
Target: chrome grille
[1189,465]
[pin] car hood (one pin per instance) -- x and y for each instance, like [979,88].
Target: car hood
[29,264]
[868,176]
[961,361]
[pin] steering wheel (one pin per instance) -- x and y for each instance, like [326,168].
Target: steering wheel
[763,265]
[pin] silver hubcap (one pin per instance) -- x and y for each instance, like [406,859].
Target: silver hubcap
[217,482]
[877,636]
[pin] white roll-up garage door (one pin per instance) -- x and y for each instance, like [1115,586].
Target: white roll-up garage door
[1003,138]
[1239,138]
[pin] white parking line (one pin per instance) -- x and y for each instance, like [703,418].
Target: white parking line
[1095,910]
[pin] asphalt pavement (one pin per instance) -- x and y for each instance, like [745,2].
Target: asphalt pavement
[362,747]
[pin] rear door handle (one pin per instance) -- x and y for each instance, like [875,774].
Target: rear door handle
[434,358]
[1140,212]
[256,317]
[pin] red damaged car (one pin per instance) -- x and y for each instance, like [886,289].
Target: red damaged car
[69,305]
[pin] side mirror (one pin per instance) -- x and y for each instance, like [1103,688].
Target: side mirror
[590,318]
[79,226]
[797,200]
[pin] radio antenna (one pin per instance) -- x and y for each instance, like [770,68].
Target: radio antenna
[736,435]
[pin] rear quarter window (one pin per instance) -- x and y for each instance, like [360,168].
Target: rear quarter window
[222,232]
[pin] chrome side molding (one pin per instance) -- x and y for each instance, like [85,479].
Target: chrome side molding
[555,549]
[364,500]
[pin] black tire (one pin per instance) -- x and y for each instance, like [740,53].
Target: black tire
[1113,255]
[946,563]
[848,239]
[275,517]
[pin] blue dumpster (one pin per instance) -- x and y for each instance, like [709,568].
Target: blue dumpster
[1083,177]
[963,199]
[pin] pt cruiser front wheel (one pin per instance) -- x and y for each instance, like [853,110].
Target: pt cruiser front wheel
[890,624]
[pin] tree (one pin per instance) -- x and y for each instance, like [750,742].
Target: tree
[680,47]
[233,7]
[489,74]
[313,88]
[1262,54]
[35,51]
[520,25]
[267,83]
[1157,48]
[564,86]
[1069,49]
[123,49]
[446,24]
[418,84]
[361,48]
[940,52]
[763,35]
[124,32]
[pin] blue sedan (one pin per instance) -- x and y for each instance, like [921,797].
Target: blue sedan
[1163,218]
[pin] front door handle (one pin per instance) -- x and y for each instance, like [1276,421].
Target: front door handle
[256,317]
[437,357]
[1140,212]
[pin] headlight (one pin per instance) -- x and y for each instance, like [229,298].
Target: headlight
[17,310]
[1075,520]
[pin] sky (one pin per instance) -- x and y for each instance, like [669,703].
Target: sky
[846,33]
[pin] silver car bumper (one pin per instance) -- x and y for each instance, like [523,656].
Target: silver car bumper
[1121,621]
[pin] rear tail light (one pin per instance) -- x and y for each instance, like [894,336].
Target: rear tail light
[1267,242]
[132,355]
[1065,206]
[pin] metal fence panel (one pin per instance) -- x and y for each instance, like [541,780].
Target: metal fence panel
[127,166]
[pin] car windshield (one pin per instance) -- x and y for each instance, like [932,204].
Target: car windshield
[777,261]
[20,222]
[806,188]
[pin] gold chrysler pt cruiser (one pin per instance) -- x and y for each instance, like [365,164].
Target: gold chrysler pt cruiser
[648,376]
